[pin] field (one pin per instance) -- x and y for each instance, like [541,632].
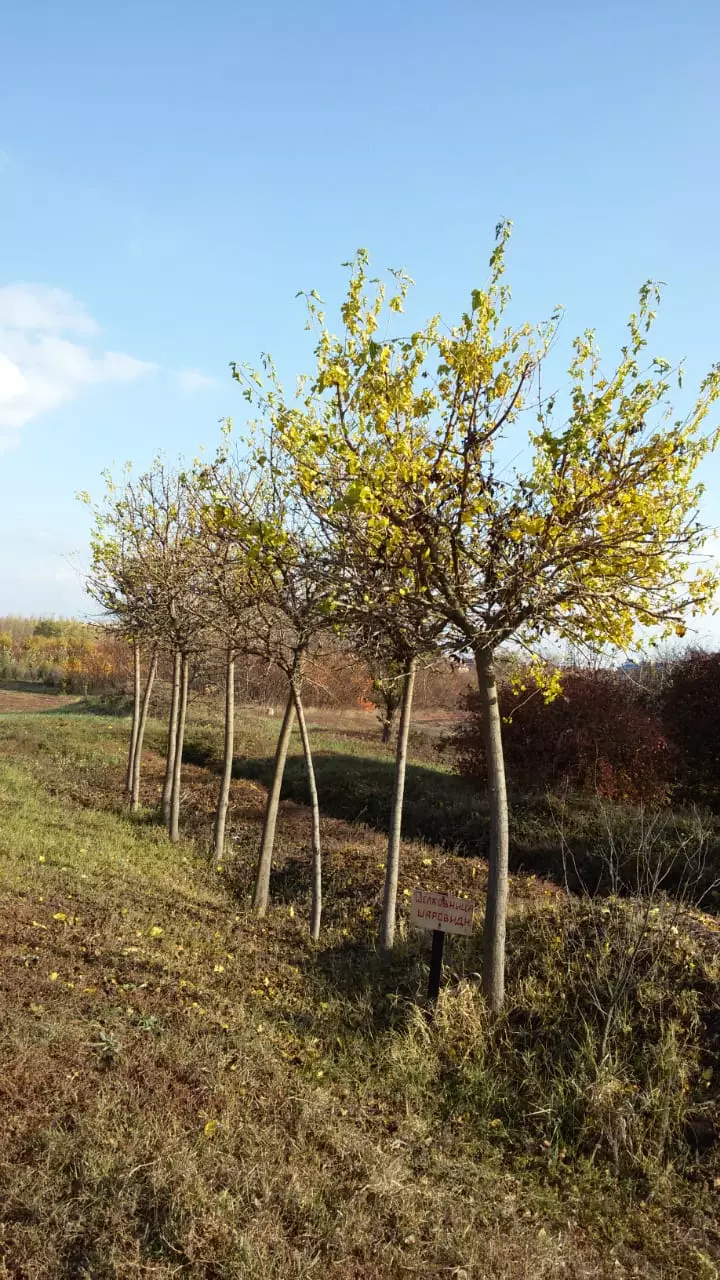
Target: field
[188,1091]
[20,696]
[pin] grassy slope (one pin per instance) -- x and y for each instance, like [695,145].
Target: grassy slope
[189,1092]
[354,776]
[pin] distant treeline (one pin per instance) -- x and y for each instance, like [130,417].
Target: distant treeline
[81,657]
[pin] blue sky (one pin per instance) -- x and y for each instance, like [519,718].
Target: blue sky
[172,174]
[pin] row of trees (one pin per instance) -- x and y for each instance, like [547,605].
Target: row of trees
[373,506]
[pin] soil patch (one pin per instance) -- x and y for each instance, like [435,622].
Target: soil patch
[22,700]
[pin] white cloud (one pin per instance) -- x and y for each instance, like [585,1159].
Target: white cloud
[39,367]
[194,380]
[35,306]
[12,383]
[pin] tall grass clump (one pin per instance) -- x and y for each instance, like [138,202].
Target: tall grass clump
[608,1049]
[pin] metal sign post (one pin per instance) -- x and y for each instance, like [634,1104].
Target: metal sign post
[436,959]
[442,913]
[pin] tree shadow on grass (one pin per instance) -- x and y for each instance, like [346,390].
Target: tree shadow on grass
[95,705]
[440,808]
[369,991]
[383,992]
[376,992]
[452,812]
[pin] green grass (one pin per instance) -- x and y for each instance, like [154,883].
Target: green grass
[355,775]
[190,1092]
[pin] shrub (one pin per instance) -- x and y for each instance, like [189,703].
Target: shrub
[690,708]
[597,736]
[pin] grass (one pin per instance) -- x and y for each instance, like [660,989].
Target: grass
[188,1091]
[354,776]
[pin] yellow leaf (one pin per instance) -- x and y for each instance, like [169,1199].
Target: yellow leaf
[211,1128]
[54,976]
[219,968]
[59,915]
[156,931]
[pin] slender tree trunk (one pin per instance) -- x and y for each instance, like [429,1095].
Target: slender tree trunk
[316,898]
[497,890]
[177,769]
[262,877]
[135,718]
[144,709]
[172,739]
[392,865]
[229,747]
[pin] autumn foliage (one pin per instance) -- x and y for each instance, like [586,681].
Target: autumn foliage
[689,702]
[74,656]
[598,736]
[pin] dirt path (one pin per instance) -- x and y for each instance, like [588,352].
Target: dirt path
[20,700]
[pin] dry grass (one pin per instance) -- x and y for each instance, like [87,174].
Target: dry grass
[189,1092]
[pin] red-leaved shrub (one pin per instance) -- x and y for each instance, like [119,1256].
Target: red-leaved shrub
[690,707]
[596,736]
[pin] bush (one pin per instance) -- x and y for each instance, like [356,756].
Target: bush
[597,736]
[690,708]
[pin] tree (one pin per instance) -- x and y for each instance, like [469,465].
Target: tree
[229,603]
[48,627]
[396,632]
[177,586]
[142,724]
[371,588]
[374,593]
[118,581]
[386,692]
[590,542]
[145,572]
[283,604]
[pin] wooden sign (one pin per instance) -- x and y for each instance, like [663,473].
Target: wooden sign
[441,911]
